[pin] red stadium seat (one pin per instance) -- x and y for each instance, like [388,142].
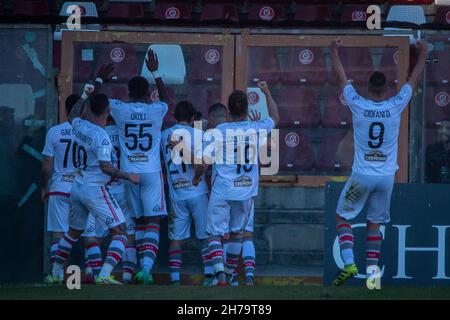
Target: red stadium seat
[31,8]
[354,14]
[166,10]
[388,64]
[296,152]
[219,12]
[263,65]
[311,13]
[299,107]
[336,151]
[437,106]
[124,58]
[126,10]
[442,15]
[337,115]
[203,97]
[439,73]
[154,96]
[267,13]
[357,63]
[207,65]
[305,66]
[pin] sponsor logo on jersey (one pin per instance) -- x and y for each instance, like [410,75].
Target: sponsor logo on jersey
[253,98]
[292,139]
[242,181]
[109,221]
[91,229]
[131,227]
[138,116]
[266,13]
[117,55]
[375,156]
[306,56]
[181,183]
[138,157]
[442,99]
[172,13]
[359,16]
[68,177]
[156,208]
[383,114]
[212,56]
[105,142]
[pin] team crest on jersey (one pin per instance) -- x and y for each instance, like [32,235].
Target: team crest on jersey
[105,142]
[266,13]
[109,221]
[138,157]
[375,156]
[172,13]
[181,183]
[242,181]
[306,56]
[68,177]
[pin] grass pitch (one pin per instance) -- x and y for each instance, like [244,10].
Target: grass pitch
[157,292]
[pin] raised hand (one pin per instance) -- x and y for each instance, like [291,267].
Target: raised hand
[255,115]
[264,87]
[106,72]
[152,61]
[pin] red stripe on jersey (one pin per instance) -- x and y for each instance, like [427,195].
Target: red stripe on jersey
[109,205]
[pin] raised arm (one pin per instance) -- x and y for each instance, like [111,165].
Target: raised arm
[337,64]
[272,107]
[78,107]
[422,47]
[152,65]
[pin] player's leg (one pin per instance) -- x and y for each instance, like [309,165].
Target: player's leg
[248,250]
[239,215]
[198,208]
[351,202]
[106,210]
[57,221]
[129,259]
[77,223]
[93,254]
[217,222]
[179,230]
[154,209]
[378,213]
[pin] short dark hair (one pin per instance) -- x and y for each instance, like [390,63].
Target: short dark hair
[217,110]
[377,83]
[238,103]
[138,87]
[184,111]
[70,102]
[99,103]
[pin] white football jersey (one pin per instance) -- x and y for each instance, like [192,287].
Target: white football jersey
[116,185]
[92,144]
[376,126]
[179,176]
[139,125]
[239,181]
[58,145]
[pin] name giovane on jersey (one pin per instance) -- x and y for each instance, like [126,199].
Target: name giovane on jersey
[377,114]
